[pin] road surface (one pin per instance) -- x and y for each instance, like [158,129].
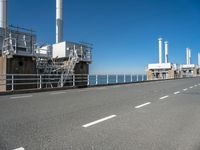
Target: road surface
[162,115]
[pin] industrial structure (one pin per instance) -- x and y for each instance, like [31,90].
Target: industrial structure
[162,70]
[169,70]
[20,54]
[188,69]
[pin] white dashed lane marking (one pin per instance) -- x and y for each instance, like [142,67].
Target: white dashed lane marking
[178,92]
[23,96]
[21,148]
[164,97]
[185,89]
[99,121]
[140,106]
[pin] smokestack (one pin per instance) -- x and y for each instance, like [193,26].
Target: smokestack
[160,50]
[188,56]
[199,59]
[59,21]
[166,51]
[3,13]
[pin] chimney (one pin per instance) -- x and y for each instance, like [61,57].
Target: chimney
[160,50]
[199,58]
[3,13]
[166,52]
[59,21]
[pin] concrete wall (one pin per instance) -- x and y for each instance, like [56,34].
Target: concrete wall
[2,72]
[22,65]
[81,68]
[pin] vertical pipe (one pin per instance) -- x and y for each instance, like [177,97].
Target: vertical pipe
[199,58]
[160,50]
[59,21]
[187,56]
[3,13]
[166,51]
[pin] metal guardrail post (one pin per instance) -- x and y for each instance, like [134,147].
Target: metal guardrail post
[40,81]
[12,82]
[131,78]
[142,77]
[107,79]
[96,79]
[61,84]
[124,78]
[88,80]
[73,76]
[137,77]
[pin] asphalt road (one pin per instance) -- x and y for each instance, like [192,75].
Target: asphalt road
[162,115]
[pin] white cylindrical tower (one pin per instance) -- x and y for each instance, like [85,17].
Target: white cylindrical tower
[160,50]
[199,59]
[59,21]
[166,51]
[189,56]
[3,13]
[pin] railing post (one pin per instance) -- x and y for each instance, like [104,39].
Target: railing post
[142,77]
[40,81]
[61,84]
[107,78]
[96,79]
[124,78]
[137,77]
[12,82]
[131,78]
[88,80]
[73,76]
[116,78]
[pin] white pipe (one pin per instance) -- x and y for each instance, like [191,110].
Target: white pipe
[160,50]
[59,21]
[166,51]
[199,59]
[3,13]
[187,56]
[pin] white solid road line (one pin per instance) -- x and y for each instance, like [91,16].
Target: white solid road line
[56,93]
[21,148]
[164,97]
[99,121]
[23,96]
[178,92]
[185,89]
[142,105]
[191,87]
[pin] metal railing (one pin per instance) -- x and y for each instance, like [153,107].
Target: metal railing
[12,82]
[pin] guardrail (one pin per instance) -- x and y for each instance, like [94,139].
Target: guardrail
[11,82]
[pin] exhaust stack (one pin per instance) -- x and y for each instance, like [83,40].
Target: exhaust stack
[199,59]
[59,21]
[160,50]
[188,56]
[166,52]
[3,13]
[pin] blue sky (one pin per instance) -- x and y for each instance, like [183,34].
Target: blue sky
[124,32]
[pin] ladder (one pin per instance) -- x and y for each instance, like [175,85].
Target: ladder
[68,68]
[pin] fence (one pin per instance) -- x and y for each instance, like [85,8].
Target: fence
[11,82]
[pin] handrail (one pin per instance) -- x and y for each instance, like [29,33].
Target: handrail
[19,81]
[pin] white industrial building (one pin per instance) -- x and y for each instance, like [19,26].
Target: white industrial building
[162,70]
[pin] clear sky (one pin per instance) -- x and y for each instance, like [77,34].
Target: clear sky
[124,32]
